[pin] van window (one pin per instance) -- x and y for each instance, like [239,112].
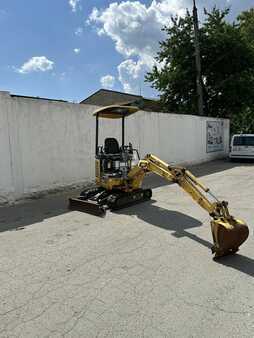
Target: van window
[243,141]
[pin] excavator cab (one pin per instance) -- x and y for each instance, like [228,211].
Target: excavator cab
[112,158]
[113,161]
[119,184]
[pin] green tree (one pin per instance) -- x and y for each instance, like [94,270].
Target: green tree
[243,122]
[246,24]
[227,65]
[174,76]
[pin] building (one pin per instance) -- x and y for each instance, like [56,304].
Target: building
[105,97]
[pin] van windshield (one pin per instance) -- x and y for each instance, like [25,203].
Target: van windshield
[244,141]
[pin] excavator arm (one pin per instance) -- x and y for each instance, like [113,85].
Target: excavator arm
[228,233]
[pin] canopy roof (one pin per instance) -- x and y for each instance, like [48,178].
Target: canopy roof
[115,112]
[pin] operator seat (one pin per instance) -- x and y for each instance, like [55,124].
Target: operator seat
[111,146]
[112,154]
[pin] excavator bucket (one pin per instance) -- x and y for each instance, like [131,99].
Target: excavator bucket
[228,235]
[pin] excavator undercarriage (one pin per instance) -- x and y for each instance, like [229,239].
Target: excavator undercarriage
[97,200]
[119,184]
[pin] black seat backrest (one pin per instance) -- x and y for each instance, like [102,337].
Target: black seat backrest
[111,146]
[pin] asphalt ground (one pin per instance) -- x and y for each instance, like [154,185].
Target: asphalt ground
[145,271]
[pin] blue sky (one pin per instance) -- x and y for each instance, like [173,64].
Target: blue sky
[68,49]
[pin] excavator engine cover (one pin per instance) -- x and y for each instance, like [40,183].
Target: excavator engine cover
[228,235]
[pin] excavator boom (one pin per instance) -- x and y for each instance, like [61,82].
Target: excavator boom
[228,232]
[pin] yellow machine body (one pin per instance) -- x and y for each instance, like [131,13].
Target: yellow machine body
[118,187]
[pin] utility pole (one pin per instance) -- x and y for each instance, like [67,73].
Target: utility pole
[198,61]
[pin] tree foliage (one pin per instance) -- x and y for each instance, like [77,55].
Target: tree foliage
[246,24]
[227,54]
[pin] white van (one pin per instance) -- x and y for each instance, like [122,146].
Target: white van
[242,146]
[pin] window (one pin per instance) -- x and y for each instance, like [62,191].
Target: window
[244,141]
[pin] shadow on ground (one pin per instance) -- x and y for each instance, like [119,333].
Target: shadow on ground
[238,262]
[179,223]
[34,211]
[174,221]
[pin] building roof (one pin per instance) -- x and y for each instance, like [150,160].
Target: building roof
[37,98]
[106,97]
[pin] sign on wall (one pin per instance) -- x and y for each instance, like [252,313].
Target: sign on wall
[215,136]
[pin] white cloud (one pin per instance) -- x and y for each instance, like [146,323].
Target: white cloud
[75,4]
[108,81]
[131,75]
[135,29]
[79,31]
[76,50]
[36,64]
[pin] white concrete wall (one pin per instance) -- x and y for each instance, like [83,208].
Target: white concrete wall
[48,144]
[6,172]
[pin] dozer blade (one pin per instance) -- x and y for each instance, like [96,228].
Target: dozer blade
[88,206]
[228,235]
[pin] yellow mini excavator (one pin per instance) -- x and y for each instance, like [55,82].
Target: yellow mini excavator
[119,184]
